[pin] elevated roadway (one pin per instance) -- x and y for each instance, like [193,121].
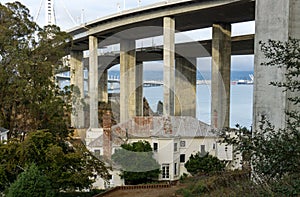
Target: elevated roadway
[188,14]
[274,19]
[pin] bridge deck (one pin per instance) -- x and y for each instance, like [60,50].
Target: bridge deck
[189,15]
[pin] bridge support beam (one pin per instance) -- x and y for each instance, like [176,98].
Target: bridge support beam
[102,89]
[169,65]
[139,89]
[185,86]
[127,80]
[93,81]
[77,116]
[276,20]
[220,80]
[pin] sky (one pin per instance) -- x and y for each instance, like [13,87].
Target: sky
[69,15]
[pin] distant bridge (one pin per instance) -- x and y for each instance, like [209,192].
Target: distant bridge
[113,79]
[146,83]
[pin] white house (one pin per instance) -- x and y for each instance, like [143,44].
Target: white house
[173,140]
[3,134]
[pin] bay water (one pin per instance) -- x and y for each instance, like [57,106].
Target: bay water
[241,96]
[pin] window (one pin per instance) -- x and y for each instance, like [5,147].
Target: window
[97,152]
[165,171]
[214,146]
[182,143]
[155,147]
[175,147]
[202,149]
[182,158]
[175,169]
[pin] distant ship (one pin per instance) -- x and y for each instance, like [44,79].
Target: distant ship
[245,82]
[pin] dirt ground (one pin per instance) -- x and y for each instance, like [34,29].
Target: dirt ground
[157,192]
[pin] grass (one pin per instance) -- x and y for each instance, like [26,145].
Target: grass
[234,183]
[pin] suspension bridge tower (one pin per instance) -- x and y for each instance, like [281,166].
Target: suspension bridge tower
[49,14]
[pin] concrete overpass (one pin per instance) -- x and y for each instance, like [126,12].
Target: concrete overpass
[274,19]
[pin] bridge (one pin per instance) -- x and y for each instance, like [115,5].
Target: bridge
[112,79]
[149,83]
[273,20]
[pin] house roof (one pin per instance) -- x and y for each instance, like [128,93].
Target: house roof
[171,126]
[3,130]
[157,126]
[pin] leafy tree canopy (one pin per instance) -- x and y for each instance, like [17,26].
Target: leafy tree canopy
[138,164]
[29,57]
[203,163]
[31,183]
[33,107]
[67,166]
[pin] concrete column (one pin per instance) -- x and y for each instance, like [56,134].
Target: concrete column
[93,81]
[77,116]
[185,86]
[102,89]
[220,80]
[139,89]
[127,80]
[276,20]
[169,65]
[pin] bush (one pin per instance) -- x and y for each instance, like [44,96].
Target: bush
[31,183]
[206,163]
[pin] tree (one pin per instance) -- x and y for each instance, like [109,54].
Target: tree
[29,57]
[203,163]
[275,153]
[138,164]
[31,183]
[67,166]
[33,107]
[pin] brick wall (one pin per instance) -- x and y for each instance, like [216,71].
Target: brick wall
[107,139]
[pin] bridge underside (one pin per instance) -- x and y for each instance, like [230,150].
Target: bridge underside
[274,20]
[180,63]
[189,15]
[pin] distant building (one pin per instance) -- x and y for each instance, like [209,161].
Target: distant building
[173,140]
[3,134]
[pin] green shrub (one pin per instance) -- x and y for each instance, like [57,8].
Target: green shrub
[200,163]
[31,183]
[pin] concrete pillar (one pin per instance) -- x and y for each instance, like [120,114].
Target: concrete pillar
[220,80]
[169,65]
[93,81]
[127,80]
[102,89]
[185,86]
[276,20]
[139,89]
[77,116]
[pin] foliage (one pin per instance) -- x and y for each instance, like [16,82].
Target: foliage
[275,153]
[67,166]
[138,164]
[31,183]
[33,107]
[226,183]
[203,163]
[29,57]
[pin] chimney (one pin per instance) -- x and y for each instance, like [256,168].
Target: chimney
[167,125]
[107,139]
